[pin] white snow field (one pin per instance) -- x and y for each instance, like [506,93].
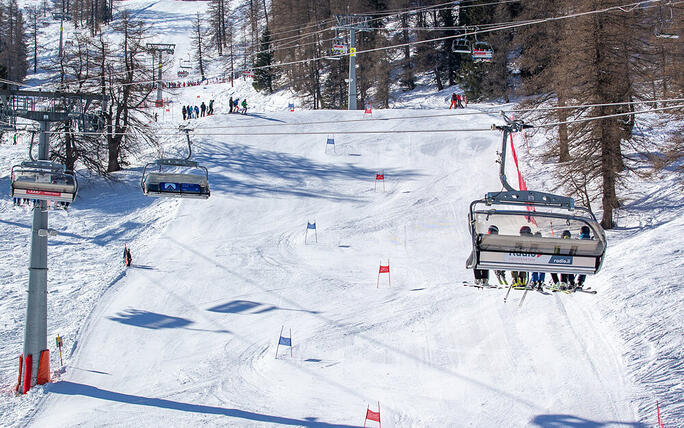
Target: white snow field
[187,336]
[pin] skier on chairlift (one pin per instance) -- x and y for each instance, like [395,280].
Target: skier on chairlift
[538,277]
[567,280]
[520,277]
[584,234]
[500,274]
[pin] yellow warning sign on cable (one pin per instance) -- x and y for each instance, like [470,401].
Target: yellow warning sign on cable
[352,51]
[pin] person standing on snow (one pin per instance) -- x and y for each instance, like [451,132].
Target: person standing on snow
[453,101]
[203,108]
[185,112]
[196,112]
[211,107]
[230,105]
[244,106]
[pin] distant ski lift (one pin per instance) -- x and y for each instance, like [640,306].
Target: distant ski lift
[663,27]
[184,67]
[482,52]
[529,228]
[61,16]
[179,178]
[461,45]
[339,49]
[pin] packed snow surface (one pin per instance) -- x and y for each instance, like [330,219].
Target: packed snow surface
[188,335]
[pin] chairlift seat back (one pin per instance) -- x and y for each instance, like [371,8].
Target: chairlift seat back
[46,181]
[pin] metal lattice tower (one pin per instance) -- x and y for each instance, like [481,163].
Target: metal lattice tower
[160,48]
[45,108]
[352,23]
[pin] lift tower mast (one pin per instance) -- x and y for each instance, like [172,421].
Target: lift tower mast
[160,48]
[352,23]
[45,108]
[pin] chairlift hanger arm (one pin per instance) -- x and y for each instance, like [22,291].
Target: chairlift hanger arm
[510,127]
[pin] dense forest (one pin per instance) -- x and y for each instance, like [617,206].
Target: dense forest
[545,53]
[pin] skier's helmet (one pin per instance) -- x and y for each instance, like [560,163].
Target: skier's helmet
[584,231]
[493,230]
[566,234]
[525,230]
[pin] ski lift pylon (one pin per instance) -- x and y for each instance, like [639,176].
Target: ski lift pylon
[164,183]
[502,225]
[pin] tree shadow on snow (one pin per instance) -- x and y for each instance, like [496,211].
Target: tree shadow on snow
[570,421]
[72,388]
[242,170]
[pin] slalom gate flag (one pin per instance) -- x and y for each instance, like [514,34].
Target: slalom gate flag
[380,176]
[330,141]
[521,181]
[285,341]
[384,269]
[311,225]
[372,416]
[291,106]
[660,420]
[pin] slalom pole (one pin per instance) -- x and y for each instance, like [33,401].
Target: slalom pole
[509,290]
[278,345]
[290,343]
[523,298]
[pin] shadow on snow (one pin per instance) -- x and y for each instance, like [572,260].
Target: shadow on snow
[569,421]
[72,388]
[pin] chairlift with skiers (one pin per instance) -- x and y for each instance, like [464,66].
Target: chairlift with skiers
[521,230]
[42,180]
[479,51]
[179,178]
[184,67]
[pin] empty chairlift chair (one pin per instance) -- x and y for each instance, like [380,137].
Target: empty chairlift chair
[43,180]
[179,178]
[550,215]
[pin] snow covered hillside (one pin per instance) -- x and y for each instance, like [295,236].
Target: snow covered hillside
[188,334]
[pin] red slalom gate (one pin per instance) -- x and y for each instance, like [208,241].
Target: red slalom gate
[384,269]
[379,177]
[372,416]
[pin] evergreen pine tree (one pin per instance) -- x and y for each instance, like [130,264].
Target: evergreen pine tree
[264,75]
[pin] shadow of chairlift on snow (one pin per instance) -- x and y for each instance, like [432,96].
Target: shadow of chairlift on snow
[570,421]
[251,308]
[76,389]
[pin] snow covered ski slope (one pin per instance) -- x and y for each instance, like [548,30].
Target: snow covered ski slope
[188,334]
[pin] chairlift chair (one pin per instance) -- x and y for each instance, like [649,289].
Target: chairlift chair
[42,180]
[482,52]
[192,183]
[461,45]
[550,215]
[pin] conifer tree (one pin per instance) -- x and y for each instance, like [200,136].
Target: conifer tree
[264,75]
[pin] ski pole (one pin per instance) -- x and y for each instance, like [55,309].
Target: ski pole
[509,290]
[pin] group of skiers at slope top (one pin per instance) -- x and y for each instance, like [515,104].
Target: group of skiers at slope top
[193,112]
[456,101]
[536,280]
[235,104]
